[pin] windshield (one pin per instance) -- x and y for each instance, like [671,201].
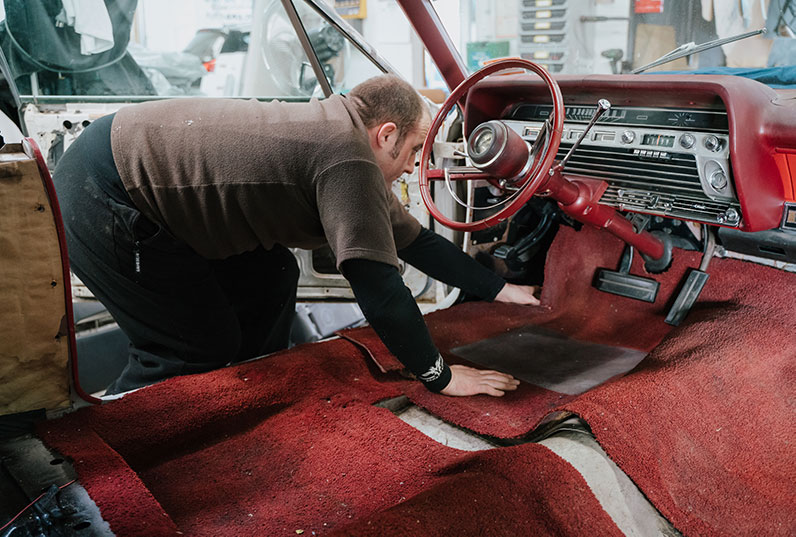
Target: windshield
[619,36]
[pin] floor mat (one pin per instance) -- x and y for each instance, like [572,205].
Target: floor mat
[551,360]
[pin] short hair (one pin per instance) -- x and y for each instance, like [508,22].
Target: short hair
[388,98]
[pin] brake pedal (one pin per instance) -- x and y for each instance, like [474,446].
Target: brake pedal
[621,282]
[687,297]
[696,280]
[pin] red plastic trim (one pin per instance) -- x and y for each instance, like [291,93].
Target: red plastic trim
[786,162]
[530,183]
[32,150]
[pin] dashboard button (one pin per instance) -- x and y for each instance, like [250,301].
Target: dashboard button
[628,137]
[718,180]
[603,136]
[713,143]
[687,141]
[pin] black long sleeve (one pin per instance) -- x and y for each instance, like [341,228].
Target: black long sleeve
[391,310]
[442,260]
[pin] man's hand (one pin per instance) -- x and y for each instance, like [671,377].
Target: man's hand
[469,381]
[519,294]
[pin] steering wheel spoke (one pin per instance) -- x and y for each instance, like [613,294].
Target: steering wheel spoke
[542,139]
[457,173]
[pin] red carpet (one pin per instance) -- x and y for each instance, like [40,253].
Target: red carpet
[570,305]
[523,490]
[703,425]
[292,442]
[123,499]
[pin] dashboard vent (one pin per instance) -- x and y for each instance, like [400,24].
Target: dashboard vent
[656,182]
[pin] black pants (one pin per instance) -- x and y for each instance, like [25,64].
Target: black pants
[182,313]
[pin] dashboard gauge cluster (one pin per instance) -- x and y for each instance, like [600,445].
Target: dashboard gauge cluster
[658,161]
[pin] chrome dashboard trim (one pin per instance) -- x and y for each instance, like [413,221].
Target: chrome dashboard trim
[670,180]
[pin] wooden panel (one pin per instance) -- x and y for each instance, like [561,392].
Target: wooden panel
[34,347]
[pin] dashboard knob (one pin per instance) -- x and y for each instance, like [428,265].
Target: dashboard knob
[718,180]
[712,143]
[628,137]
[687,140]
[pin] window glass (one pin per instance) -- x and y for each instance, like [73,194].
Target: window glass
[345,66]
[151,48]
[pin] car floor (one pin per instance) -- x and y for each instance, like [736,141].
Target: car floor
[300,442]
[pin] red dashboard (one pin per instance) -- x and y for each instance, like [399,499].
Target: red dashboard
[760,132]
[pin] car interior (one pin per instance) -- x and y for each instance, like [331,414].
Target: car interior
[656,210]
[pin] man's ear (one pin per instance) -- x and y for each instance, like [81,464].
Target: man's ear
[386,134]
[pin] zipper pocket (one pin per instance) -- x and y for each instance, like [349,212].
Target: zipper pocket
[137,257]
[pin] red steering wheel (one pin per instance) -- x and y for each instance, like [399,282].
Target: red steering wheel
[506,160]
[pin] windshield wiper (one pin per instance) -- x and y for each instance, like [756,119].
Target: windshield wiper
[690,48]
